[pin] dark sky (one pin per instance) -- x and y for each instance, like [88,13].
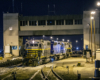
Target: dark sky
[40,7]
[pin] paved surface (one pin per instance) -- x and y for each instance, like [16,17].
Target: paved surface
[86,71]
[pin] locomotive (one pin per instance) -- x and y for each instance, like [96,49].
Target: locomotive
[42,51]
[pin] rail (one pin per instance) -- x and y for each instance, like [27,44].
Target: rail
[56,75]
[44,77]
[34,75]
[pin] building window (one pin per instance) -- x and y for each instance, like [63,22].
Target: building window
[19,47]
[41,22]
[32,23]
[78,21]
[23,23]
[14,47]
[59,22]
[69,22]
[50,22]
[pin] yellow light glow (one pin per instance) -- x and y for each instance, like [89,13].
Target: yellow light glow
[51,37]
[98,3]
[76,41]
[67,40]
[93,12]
[92,17]
[33,41]
[62,39]
[10,28]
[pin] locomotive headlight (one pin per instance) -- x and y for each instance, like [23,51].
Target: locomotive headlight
[32,41]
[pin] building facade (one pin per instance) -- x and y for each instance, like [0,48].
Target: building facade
[16,26]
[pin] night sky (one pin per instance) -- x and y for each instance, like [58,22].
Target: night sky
[40,7]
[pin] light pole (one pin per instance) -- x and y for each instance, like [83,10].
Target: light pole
[89,34]
[98,4]
[92,18]
[76,43]
[94,37]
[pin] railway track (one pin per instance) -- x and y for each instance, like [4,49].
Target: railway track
[14,68]
[43,75]
[12,63]
[49,74]
[18,65]
[46,73]
[9,73]
[56,75]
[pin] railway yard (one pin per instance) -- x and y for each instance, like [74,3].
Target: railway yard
[54,45]
[65,69]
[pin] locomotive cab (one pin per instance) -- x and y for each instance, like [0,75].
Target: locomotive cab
[33,49]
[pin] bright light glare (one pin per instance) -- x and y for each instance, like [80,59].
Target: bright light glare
[98,3]
[77,48]
[76,41]
[52,59]
[92,17]
[32,41]
[93,12]
[10,28]
[57,38]
[67,40]
[51,37]
[63,39]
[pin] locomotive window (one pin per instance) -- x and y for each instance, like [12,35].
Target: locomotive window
[27,45]
[58,43]
[31,44]
[39,45]
[35,44]
[14,47]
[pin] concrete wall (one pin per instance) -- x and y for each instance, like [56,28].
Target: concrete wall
[52,32]
[10,31]
[55,27]
[51,29]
